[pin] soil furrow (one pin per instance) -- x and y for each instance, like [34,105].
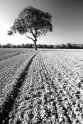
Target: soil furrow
[67,111]
[10,100]
[2,59]
[44,94]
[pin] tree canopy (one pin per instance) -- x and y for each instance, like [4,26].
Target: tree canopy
[32,20]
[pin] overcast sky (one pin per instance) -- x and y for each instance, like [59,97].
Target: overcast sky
[67,20]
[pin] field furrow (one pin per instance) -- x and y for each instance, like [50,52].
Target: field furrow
[8,54]
[67,86]
[9,100]
[11,68]
[43,99]
[47,90]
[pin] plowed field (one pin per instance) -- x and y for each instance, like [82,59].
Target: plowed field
[43,87]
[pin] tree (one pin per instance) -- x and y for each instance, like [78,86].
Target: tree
[8,45]
[33,21]
[69,46]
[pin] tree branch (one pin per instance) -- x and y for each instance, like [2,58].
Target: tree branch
[30,37]
[36,32]
[32,32]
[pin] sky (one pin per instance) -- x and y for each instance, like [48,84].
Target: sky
[67,20]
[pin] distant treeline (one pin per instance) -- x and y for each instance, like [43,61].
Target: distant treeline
[60,46]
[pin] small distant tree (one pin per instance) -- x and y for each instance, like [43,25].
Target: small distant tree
[69,46]
[34,21]
[13,46]
[8,45]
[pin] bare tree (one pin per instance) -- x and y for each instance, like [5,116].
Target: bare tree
[34,21]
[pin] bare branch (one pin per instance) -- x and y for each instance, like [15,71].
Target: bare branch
[29,37]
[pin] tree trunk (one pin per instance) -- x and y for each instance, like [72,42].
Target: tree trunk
[35,45]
